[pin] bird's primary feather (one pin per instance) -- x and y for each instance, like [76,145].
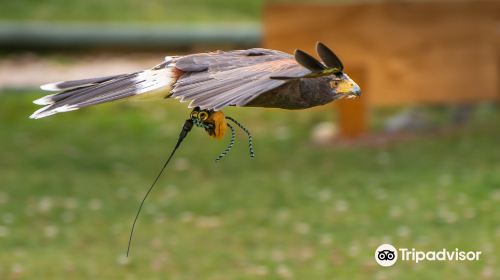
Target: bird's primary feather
[82,93]
[329,57]
[66,85]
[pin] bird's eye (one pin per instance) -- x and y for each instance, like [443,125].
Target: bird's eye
[335,83]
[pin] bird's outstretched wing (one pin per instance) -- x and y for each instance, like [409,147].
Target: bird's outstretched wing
[219,79]
[209,80]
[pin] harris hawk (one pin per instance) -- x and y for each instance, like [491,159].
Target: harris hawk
[211,81]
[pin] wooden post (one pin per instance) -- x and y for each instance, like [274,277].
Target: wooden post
[353,113]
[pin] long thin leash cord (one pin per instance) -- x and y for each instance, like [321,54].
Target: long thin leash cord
[185,130]
[188,125]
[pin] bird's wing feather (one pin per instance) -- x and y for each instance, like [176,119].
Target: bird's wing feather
[216,80]
[67,85]
[81,93]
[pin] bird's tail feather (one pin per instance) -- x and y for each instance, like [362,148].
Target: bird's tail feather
[81,93]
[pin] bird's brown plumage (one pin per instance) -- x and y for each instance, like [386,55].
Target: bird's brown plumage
[219,79]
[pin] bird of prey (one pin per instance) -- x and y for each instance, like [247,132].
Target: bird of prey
[212,81]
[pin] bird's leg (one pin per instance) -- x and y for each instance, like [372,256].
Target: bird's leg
[215,124]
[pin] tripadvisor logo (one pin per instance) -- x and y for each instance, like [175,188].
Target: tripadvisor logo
[387,255]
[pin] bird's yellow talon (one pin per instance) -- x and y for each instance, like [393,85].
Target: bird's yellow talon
[219,122]
[214,122]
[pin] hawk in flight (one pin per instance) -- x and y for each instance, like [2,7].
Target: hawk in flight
[211,81]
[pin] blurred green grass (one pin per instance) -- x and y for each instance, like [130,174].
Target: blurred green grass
[70,186]
[151,11]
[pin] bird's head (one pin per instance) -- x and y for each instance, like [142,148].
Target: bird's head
[344,87]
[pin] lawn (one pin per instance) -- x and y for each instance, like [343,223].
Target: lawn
[70,186]
[151,11]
